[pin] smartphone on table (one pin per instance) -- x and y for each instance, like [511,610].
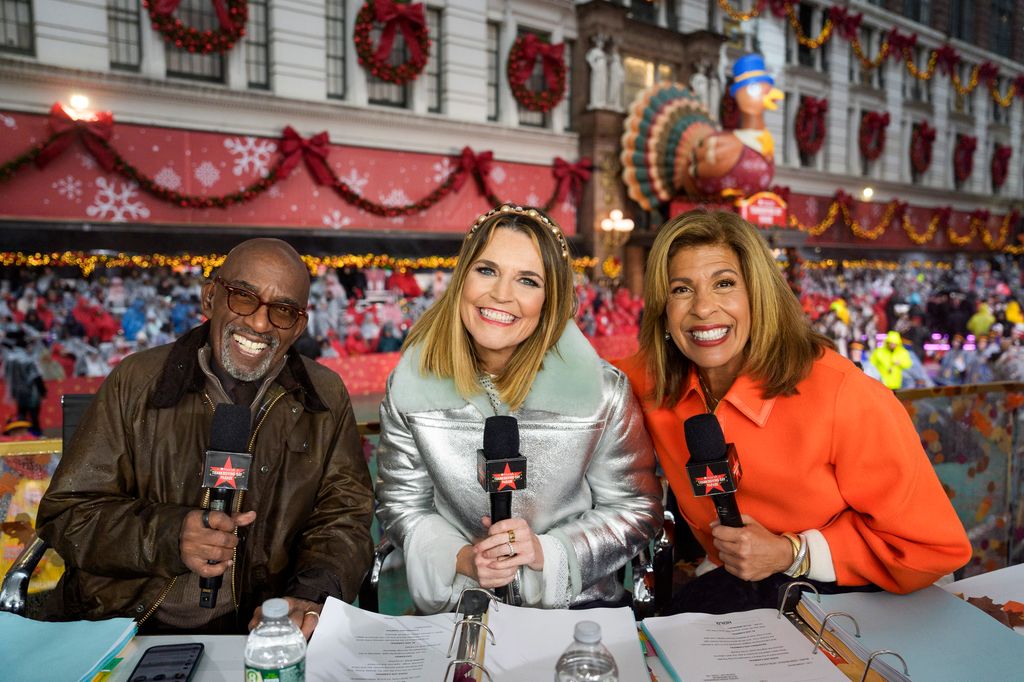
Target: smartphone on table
[168,663]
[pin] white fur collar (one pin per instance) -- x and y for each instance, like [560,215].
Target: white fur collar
[569,382]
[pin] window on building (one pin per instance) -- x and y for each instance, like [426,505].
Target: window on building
[537,119]
[493,71]
[1002,27]
[257,45]
[961,19]
[434,70]
[192,65]
[381,91]
[335,19]
[16,26]
[124,35]
[918,10]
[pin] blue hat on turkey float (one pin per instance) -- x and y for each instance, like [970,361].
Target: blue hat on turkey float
[747,70]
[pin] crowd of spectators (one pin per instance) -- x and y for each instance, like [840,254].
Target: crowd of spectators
[961,322]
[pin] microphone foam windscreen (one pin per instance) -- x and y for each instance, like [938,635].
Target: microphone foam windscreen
[231,428]
[501,437]
[704,438]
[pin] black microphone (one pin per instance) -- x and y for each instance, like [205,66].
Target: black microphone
[226,472]
[713,469]
[501,469]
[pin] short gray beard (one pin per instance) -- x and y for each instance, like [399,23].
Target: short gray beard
[240,373]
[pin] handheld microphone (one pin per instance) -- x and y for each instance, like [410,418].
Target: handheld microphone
[226,472]
[713,469]
[501,469]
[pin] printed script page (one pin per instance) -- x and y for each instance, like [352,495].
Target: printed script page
[355,645]
[748,646]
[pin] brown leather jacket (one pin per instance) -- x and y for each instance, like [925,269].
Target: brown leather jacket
[132,472]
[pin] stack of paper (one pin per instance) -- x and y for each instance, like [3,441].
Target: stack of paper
[75,650]
[939,636]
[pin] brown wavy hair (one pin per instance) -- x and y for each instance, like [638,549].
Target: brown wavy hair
[782,345]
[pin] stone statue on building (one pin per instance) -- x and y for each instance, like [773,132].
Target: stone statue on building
[616,79]
[598,60]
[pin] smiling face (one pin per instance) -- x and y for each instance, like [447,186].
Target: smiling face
[502,297]
[708,310]
[247,346]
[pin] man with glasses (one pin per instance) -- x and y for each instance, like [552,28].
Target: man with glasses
[126,508]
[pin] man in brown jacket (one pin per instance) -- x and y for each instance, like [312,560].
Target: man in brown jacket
[124,509]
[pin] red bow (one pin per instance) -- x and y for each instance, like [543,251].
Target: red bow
[551,60]
[844,199]
[845,21]
[477,166]
[899,42]
[779,7]
[814,107]
[409,18]
[782,191]
[987,73]
[313,151]
[94,134]
[223,16]
[572,177]
[947,57]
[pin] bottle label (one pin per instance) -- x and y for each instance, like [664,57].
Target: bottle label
[291,673]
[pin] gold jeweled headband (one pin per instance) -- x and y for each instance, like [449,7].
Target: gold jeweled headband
[530,212]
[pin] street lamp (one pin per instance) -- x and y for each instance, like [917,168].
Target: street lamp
[615,230]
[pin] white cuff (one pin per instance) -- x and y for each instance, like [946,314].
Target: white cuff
[822,569]
[548,588]
[431,550]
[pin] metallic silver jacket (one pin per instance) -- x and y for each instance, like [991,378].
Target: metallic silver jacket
[590,463]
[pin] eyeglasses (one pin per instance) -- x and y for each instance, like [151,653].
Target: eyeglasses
[244,302]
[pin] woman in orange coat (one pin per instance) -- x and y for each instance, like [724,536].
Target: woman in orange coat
[835,485]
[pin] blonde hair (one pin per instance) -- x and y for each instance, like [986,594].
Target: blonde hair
[446,346]
[782,345]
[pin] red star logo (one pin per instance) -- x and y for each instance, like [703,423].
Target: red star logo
[711,481]
[226,474]
[507,478]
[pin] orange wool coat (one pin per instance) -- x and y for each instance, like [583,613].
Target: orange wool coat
[841,456]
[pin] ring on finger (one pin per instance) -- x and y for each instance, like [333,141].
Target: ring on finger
[206,518]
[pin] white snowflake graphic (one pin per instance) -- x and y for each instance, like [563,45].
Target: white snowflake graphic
[396,197]
[167,178]
[356,181]
[442,169]
[251,155]
[532,199]
[88,163]
[207,174]
[498,175]
[335,220]
[9,121]
[115,201]
[68,187]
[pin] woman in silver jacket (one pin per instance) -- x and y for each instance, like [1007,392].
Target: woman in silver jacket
[501,340]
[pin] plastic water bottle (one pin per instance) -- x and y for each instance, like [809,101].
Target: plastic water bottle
[275,649]
[587,659]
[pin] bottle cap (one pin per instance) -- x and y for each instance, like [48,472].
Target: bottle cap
[588,632]
[275,608]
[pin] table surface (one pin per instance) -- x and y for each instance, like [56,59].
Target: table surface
[222,659]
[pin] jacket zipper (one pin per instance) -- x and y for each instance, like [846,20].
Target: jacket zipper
[264,412]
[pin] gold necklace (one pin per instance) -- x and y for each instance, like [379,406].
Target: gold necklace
[710,401]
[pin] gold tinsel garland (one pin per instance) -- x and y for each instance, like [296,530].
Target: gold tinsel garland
[87,262]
